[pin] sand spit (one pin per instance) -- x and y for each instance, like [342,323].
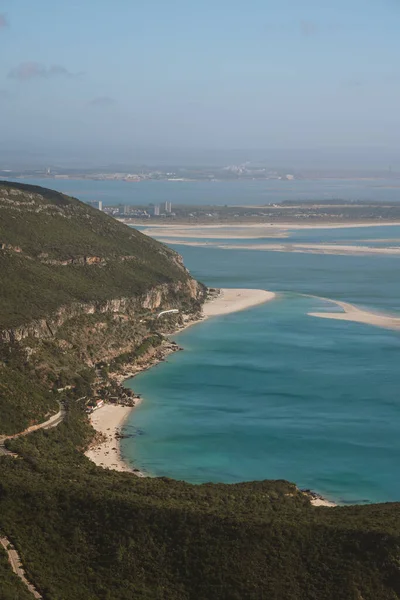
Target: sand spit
[358,315]
[214,232]
[234,300]
[337,249]
[247,230]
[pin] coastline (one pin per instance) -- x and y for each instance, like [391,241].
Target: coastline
[108,421]
[105,450]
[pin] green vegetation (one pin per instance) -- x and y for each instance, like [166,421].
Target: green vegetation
[128,357]
[85,533]
[24,398]
[42,226]
[89,534]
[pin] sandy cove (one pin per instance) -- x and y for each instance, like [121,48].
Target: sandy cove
[108,420]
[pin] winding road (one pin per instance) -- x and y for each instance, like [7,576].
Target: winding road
[13,556]
[51,422]
[15,561]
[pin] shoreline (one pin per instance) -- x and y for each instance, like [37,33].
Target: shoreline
[172,233]
[105,450]
[108,421]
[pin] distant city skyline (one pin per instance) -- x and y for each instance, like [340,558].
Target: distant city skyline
[156,81]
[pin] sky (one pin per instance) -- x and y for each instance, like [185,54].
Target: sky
[106,78]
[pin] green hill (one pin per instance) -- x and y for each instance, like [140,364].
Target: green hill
[79,296]
[76,288]
[55,250]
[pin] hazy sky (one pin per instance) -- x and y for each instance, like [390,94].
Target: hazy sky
[212,74]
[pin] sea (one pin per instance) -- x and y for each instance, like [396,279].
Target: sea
[271,392]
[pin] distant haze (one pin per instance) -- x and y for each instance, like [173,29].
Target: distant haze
[305,84]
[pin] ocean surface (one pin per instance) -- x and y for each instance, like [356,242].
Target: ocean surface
[223,192]
[272,393]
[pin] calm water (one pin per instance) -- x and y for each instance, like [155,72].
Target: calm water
[222,192]
[274,393]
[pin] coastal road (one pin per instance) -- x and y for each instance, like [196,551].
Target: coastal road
[13,556]
[51,422]
[16,565]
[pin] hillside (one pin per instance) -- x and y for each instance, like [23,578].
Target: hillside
[55,251]
[79,297]
[76,288]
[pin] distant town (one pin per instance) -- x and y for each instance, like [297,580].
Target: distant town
[285,212]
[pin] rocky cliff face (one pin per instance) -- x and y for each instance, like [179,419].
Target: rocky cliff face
[187,295]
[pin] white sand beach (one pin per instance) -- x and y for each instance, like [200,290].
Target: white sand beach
[358,315]
[310,248]
[233,300]
[109,419]
[322,502]
[171,232]
[214,232]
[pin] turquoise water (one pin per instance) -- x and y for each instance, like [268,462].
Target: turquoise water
[274,393]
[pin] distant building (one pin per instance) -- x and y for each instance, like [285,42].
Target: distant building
[168,207]
[95,204]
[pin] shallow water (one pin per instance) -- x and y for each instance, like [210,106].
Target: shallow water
[274,393]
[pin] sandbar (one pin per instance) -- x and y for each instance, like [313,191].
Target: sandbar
[243,230]
[310,248]
[214,232]
[358,315]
